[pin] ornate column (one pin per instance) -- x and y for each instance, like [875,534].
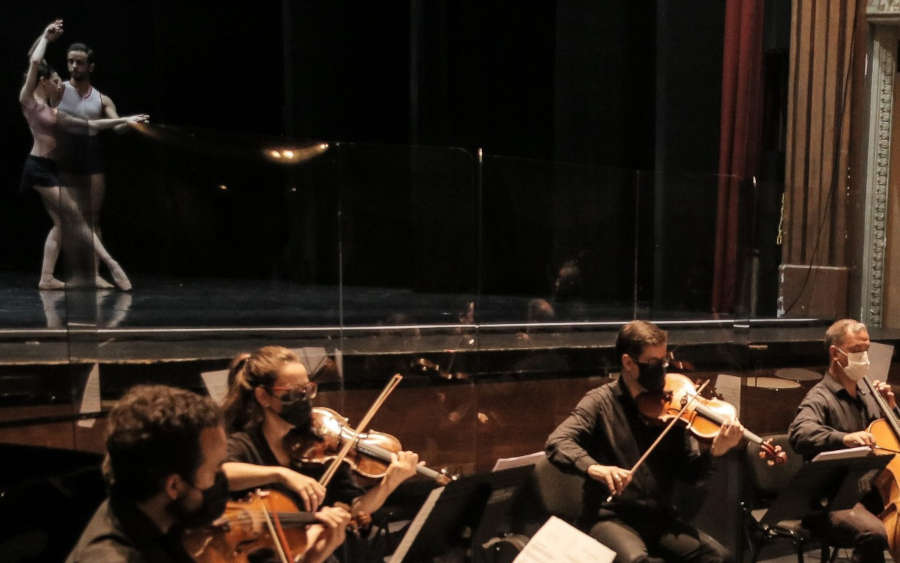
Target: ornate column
[884,21]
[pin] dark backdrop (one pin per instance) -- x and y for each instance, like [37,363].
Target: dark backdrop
[626,92]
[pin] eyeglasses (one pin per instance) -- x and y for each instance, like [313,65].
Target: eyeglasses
[664,364]
[297,392]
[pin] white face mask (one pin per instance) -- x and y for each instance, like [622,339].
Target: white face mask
[857,365]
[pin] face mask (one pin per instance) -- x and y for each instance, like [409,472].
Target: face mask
[297,412]
[857,365]
[652,377]
[214,500]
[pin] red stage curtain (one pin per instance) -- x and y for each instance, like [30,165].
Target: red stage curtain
[739,141]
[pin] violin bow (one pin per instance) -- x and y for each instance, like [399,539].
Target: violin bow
[277,534]
[332,469]
[663,433]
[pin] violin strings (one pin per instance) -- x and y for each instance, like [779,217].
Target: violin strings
[246,517]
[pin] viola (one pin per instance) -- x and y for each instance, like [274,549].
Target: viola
[264,520]
[369,454]
[680,400]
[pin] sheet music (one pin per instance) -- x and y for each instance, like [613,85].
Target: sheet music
[559,541]
[880,360]
[729,386]
[90,400]
[216,383]
[847,453]
[312,357]
[410,536]
[510,462]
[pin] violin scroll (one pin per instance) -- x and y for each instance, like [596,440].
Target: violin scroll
[773,454]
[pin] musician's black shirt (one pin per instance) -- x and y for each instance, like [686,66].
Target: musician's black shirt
[119,531]
[827,414]
[251,447]
[606,428]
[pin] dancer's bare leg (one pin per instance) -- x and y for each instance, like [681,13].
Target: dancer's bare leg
[96,192]
[51,246]
[50,299]
[59,201]
[78,188]
[48,264]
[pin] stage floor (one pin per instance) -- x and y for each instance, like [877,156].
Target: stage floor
[174,320]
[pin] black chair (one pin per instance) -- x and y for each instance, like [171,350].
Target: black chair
[549,491]
[764,483]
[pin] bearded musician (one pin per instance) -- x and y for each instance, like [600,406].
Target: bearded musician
[606,434]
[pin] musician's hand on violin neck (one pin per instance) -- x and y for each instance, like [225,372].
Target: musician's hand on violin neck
[402,467]
[333,517]
[308,488]
[327,538]
[887,392]
[861,438]
[615,478]
[728,437]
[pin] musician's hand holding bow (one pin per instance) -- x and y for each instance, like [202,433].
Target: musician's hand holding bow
[308,488]
[326,538]
[615,478]
[861,438]
[728,437]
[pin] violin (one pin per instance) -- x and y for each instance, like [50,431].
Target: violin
[369,454]
[680,400]
[264,520]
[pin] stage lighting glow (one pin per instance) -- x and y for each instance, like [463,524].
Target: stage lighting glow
[291,155]
[223,187]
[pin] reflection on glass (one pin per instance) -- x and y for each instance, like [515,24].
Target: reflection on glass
[110,307]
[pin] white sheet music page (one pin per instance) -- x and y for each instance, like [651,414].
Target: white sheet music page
[216,383]
[559,541]
[880,360]
[510,462]
[90,400]
[847,453]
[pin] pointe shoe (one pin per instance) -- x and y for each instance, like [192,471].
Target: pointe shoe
[101,283]
[51,283]
[118,275]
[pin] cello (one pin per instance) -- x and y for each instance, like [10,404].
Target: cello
[886,431]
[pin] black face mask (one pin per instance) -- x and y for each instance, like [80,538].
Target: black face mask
[652,377]
[214,500]
[297,412]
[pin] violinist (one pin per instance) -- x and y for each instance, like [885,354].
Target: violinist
[269,398]
[165,448]
[606,434]
[834,415]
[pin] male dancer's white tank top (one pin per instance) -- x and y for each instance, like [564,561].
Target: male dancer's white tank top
[88,107]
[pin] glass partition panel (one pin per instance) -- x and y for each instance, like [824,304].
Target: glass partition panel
[220,235]
[408,235]
[678,245]
[559,242]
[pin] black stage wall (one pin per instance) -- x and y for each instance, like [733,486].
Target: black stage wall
[617,86]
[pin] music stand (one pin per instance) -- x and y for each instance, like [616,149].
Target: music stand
[828,484]
[452,516]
